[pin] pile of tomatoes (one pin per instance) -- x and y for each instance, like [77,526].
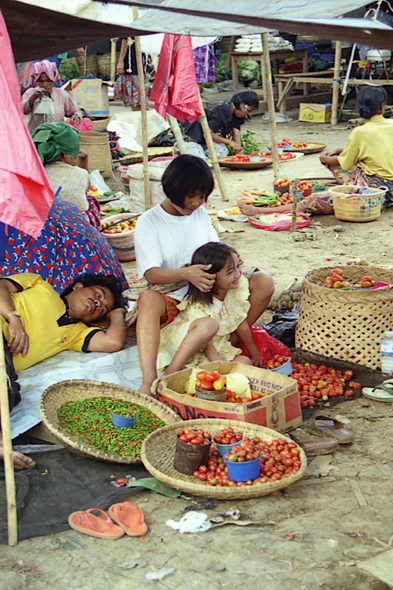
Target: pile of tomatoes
[210,381]
[227,436]
[285,199]
[232,399]
[281,183]
[322,383]
[278,460]
[336,281]
[242,158]
[277,361]
[282,157]
[194,437]
[285,143]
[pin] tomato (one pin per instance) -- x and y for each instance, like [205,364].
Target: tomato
[122,481]
[201,375]
[366,284]
[337,271]
[183,438]
[218,385]
[206,386]
[348,393]
[180,432]
[255,395]
[212,376]
[366,279]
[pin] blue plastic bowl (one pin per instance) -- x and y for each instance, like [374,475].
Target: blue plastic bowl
[255,158]
[224,449]
[246,471]
[285,369]
[122,421]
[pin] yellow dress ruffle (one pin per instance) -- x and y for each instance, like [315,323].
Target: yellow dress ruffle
[230,313]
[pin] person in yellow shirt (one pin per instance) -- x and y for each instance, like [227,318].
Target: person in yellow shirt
[368,153]
[37,323]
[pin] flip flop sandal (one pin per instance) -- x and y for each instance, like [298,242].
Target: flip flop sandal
[130,517]
[326,426]
[89,524]
[313,448]
[381,393]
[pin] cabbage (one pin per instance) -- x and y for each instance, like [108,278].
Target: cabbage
[239,384]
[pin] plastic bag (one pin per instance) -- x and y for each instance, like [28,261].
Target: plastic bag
[266,344]
[279,221]
[283,325]
[85,125]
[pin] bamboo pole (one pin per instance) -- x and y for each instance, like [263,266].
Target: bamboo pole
[294,186]
[142,92]
[210,146]
[270,103]
[113,60]
[177,133]
[7,447]
[336,83]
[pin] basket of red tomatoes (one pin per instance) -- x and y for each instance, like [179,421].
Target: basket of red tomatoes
[210,385]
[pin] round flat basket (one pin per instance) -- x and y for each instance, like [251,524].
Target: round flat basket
[347,325]
[245,165]
[314,148]
[158,452]
[358,208]
[80,389]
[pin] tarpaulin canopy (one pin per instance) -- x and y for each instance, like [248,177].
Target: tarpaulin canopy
[38,27]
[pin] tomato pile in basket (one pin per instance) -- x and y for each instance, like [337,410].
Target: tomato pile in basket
[322,383]
[227,436]
[210,381]
[194,437]
[279,459]
[336,281]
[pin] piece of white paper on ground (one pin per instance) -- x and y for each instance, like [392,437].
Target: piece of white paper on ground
[120,368]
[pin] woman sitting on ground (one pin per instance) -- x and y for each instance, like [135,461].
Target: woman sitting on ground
[43,76]
[225,121]
[209,322]
[369,148]
[56,143]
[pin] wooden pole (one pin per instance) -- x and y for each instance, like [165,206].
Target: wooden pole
[7,447]
[336,83]
[270,103]
[177,133]
[113,60]
[142,92]
[210,146]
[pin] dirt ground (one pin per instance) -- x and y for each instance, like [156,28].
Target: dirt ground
[317,530]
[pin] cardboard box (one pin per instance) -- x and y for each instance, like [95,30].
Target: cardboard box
[315,113]
[280,410]
[90,95]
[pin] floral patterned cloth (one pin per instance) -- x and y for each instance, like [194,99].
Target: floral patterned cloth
[66,247]
[127,90]
[230,313]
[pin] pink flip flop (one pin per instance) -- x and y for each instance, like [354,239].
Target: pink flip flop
[89,524]
[130,517]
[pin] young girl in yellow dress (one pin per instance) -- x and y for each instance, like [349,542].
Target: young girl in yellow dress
[210,323]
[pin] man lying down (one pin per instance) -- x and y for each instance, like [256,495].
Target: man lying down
[37,323]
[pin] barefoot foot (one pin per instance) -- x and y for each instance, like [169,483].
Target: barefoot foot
[20,461]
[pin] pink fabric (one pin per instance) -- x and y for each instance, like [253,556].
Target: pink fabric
[63,101]
[45,67]
[24,186]
[93,213]
[85,125]
[175,89]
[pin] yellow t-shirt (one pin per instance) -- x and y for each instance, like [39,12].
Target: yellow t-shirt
[44,316]
[370,147]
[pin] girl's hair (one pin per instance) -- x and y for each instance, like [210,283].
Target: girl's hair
[370,100]
[217,255]
[249,98]
[187,176]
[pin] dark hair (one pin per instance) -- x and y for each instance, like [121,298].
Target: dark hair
[108,281]
[249,98]
[213,253]
[370,100]
[187,176]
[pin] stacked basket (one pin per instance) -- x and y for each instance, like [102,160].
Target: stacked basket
[349,206]
[346,325]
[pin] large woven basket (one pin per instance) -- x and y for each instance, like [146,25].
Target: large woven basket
[100,124]
[359,208]
[347,325]
[80,389]
[158,452]
[88,65]
[96,145]
[104,64]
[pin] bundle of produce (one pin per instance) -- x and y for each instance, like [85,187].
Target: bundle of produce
[248,143]
[121,227]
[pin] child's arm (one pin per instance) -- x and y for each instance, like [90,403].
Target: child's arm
[244,333]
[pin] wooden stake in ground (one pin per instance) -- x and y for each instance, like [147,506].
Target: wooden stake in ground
[142,92]
[7,446]
[177,133]
[270,103]
[336,83]
[210,146]
[294,186]
[113,60]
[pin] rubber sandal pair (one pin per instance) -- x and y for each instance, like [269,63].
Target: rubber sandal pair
[129,518]
[381,393]
[313,447]
[325,426]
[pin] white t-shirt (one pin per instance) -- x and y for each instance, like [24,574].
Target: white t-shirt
[167,241]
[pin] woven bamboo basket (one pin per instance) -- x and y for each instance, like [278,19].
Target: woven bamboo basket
[100,124]
[96,145]
[359,208]
[88,65]
[80,389]
[347,325]
[158,452]
[104,64]
[315,149]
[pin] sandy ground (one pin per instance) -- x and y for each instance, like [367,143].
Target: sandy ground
[334,520]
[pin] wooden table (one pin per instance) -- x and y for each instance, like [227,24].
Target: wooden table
[285,83]
[275,58]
